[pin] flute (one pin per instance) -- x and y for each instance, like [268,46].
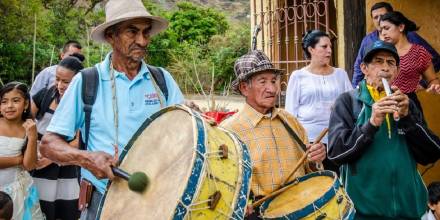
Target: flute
[388,92]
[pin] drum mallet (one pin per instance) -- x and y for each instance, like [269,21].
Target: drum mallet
[300,162]
[137,182]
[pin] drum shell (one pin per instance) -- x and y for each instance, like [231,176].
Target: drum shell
[335,202]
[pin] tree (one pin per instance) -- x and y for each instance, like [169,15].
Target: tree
[57,22]
[195,24]
[198,39]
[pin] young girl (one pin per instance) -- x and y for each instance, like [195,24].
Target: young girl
[18,151]
[57,185]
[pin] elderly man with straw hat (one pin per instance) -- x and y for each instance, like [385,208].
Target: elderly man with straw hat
[126,95]
[269,132]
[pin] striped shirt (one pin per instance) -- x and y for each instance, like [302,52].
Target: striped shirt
[273,151]
[412,66]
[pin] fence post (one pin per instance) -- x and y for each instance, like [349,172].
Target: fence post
[33,54]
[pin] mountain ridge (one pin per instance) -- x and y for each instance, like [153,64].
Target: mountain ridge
[238,10]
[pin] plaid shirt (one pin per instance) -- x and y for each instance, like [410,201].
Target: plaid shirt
[273,151]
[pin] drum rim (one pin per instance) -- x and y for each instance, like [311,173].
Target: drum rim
[319,202]
[246,171]
[190,191]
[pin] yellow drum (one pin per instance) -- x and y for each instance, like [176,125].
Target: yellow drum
[314,196]
[196,171]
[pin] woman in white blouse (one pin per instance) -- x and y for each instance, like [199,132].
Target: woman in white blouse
[312,90]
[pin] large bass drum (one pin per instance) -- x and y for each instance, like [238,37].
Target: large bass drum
[196,170]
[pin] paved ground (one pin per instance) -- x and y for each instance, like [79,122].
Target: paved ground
[222,103]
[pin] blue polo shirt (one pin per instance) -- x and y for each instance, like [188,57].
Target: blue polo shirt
[137,99]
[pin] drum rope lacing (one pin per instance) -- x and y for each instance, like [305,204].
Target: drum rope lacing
[115,104]
[212,185]
[115,107]
[317,209]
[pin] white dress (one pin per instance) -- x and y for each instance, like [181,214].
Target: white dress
[17,182]
[309,97]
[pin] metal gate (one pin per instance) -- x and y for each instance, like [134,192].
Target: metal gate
[283,23]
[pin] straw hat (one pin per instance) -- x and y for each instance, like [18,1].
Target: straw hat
[117,11]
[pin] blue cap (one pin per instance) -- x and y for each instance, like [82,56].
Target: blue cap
[378,46]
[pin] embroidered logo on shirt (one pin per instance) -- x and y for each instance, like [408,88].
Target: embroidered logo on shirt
[151,99]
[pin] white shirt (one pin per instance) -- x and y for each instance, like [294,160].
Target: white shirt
[428,216]
[309,97]
[44,79]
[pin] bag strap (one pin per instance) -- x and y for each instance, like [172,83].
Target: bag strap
[294,135]
[90,83]
[159,77]
[44,105]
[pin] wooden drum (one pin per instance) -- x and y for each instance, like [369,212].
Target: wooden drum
[196,171]
[314,196]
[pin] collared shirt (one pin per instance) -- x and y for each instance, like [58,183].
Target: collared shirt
[429,215]
[413,38]
[137,99]
[44,79]
[273,151]
[376,95]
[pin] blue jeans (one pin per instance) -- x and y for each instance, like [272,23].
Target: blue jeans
[90,212]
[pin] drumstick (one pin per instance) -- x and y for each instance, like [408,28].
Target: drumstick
[300,162]
[303,158]
[137,182]
[272,194]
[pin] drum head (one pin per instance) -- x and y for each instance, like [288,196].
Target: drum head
[163,148]
[300,195]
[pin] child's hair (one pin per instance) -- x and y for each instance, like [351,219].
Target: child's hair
[434,193]
[6,206]
[23,90]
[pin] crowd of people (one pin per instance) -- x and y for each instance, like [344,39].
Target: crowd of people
[56,148]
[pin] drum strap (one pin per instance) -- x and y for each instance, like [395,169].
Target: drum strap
[294,135]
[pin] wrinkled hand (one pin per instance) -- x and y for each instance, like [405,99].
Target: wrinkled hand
[402,102]
[100,163]
[434,88]
[317,152]
[192,105]
[386,105]
[30,128]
